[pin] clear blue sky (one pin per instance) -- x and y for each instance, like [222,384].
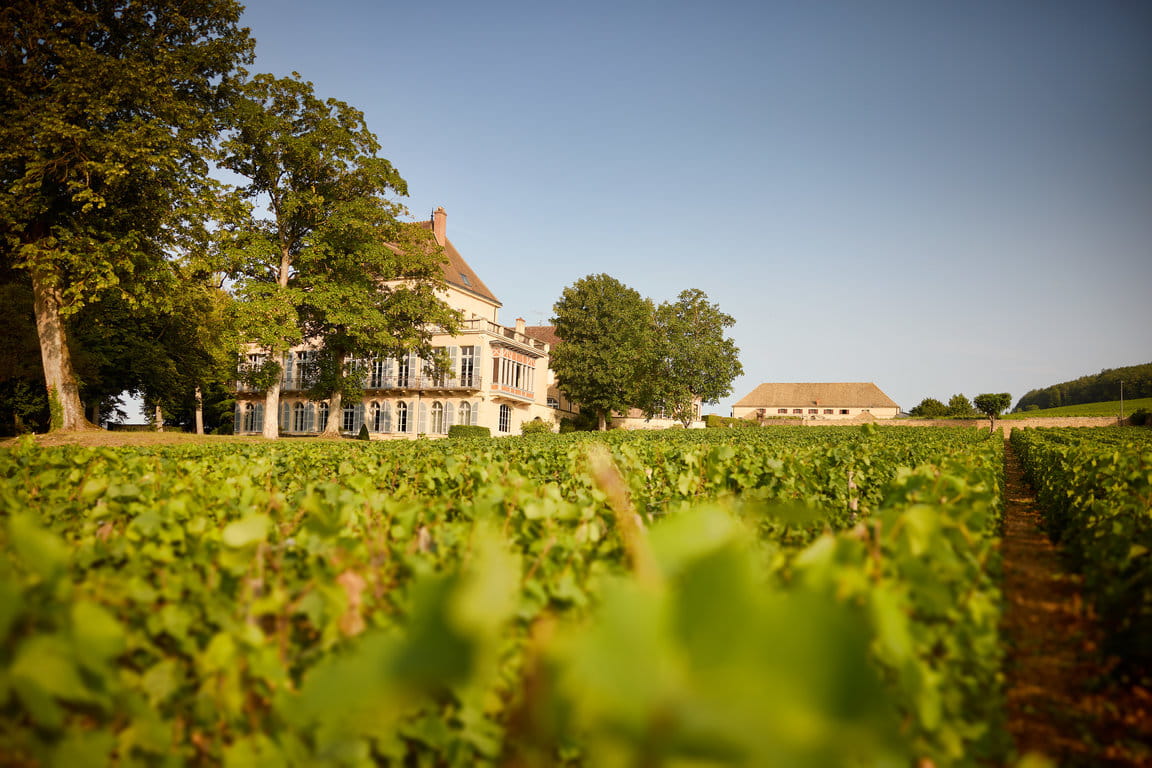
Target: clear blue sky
[939,197]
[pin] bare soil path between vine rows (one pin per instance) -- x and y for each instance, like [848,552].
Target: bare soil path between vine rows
[1058,701]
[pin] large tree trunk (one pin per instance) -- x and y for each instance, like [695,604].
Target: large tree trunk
[158,418]
[59,376]
[335,415]
[272,410]
[199,411]
[601,421]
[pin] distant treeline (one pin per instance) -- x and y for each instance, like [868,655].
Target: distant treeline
[1097,388]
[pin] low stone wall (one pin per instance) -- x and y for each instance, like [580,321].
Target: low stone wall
[1066,421]
[1007,425]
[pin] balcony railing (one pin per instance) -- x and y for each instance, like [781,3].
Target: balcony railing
[422,382]
[479,324]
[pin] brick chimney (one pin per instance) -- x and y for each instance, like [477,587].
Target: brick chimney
[520,326]
[440,225]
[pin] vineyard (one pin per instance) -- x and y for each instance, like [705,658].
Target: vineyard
[1096,488]
[793,597]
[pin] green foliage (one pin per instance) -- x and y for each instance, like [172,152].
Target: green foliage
[929,408]
[109,114]
[1095,388]
[691,358]
[1109,408]
[1140,417]
[55,409]
[468,430]
[992,405]
[607,340]
[1094,487]
[715,421]
[536,427]
[23,407]
[484,603]
[333,263]
[363,434]
[959,407]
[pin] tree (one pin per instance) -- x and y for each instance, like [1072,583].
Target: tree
[992,406]
[23,403]
[373,295]
[109,109]
[692,358]
[607,332]
[930,408]
[959,406]
[328,260]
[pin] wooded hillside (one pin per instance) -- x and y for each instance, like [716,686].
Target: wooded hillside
[1098,387]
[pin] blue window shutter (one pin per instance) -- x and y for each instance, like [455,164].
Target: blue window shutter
[386,417]
[358,418]
[236,426]
[285,415]
[389,372]
[259,418]
[422,427]
[310,417]
[288,365]
[475,413]
[449,413]
[454,356]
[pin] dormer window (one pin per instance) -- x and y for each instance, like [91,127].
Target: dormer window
[464,279]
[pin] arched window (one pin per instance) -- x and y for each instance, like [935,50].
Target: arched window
[299,418]
[401,416]
[323,417]
[249,418]
[505,418]
[374,418]
[465,413]
[437,426]
[348,422]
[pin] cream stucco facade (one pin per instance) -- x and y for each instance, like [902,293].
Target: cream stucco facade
[813,401]
[498,375]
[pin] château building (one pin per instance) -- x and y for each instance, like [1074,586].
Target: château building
[498,378]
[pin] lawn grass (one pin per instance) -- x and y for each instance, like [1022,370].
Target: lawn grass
[1111,408]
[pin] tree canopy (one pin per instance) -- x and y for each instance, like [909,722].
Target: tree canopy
[607,339]
[109,112]
[321,253]
[959,406]
[992,405]
[691,358]
[929,408]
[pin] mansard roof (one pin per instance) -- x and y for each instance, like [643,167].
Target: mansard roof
[843,394]
[458,273]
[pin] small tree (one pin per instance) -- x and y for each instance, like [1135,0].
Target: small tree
[992,406]
[960,406]
[930,408]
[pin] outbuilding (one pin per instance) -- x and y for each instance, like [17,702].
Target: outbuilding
[816,401]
